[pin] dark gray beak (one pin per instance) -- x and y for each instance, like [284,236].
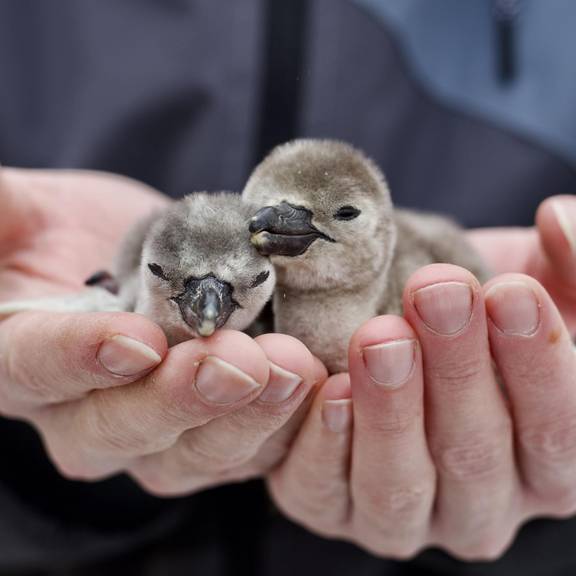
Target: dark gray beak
[206,304]
[284,230]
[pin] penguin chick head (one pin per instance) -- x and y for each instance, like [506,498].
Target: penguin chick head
[199,271]
[325,217]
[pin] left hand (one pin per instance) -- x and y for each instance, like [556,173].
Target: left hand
[438,455]
[102,389]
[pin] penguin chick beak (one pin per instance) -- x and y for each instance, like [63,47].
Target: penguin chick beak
[209,309]
[284,230]
[206,304]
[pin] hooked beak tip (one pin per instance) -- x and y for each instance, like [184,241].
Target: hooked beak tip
[258,239]
[207,328]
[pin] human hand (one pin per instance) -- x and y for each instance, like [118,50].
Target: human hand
[546,252]
[102,389]
[441,453]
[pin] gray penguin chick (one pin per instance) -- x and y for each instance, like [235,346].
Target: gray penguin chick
[190,268]
[342,253]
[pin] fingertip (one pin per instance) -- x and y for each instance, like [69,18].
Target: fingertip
[320,371]
[237,349]
[511,277]
[337,413]
[382,355]
[130,325]
[288,353]
[223,371]
[437,274]
[519,306]
[443,301]
[123,345]
[337,387]
[378,330]
[556,223]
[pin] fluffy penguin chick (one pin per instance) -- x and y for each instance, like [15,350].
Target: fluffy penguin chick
[342,253]
[190,268]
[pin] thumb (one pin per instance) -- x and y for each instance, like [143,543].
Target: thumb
[53,357]
[556,223]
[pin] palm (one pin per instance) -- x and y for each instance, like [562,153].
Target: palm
[63,226]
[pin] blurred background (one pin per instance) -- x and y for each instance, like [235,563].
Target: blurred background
[469,107]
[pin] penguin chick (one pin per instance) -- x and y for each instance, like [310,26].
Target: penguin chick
[197,271]
[342,253]
[190,268]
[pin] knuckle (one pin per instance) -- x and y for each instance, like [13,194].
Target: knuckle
[316,510]
[323,508]
[16,368]
[209,456]
[553,490]
[479,457]
[396,424]
[554,440]
[104,433]
[394,509]
[457,372]
[405,503]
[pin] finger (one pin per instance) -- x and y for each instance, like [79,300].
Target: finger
[556,222]
[229,447]
[19,214]
[392,473]
[535,356]
[198,381]
[468,425]
[48,358]
[319,460]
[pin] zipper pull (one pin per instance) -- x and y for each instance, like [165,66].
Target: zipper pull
[506,19]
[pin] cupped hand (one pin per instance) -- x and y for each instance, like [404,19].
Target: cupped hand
[103,390]
[423,445]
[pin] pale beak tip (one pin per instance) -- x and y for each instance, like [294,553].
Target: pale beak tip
[207,328]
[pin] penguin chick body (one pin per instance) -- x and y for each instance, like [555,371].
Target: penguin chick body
[342,253]
[190,268]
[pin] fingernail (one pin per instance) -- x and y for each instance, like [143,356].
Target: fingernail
[221,383]
[389,364]
[445,308]
[565,225]
[513,308]
[281,385]
[124,356]
[337,414]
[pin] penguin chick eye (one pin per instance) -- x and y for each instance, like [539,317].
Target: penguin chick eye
[156,269]
[347,213]
[260,279]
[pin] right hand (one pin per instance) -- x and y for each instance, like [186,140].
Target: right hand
[102,389]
